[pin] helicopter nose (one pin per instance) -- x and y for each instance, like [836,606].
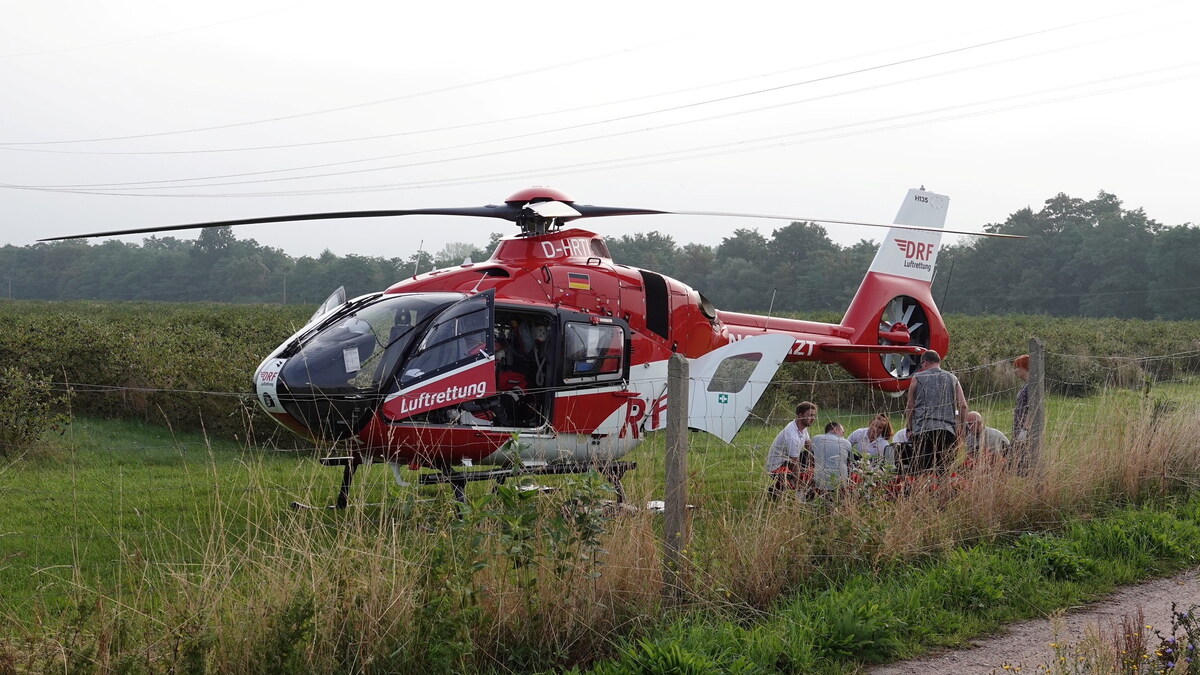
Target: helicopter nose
[286,392]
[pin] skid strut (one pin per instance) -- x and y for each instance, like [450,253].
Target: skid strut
[349,466]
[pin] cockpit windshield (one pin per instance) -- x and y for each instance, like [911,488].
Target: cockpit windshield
[355,352]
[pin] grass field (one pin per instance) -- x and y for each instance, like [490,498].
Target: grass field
[118,526]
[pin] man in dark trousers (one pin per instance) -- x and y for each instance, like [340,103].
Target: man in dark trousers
[934,416]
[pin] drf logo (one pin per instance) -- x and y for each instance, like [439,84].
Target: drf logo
[915,250]
[636,410]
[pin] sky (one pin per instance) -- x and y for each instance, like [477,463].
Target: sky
[138,113]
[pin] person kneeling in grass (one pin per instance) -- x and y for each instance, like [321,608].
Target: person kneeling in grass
[789,461]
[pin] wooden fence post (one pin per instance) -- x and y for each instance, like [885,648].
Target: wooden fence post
[675,525]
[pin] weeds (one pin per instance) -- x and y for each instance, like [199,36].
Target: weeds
[1130,647]
[525,580]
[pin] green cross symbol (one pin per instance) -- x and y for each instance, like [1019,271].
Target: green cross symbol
[722,398]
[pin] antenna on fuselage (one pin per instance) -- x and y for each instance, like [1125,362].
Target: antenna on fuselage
[420,249]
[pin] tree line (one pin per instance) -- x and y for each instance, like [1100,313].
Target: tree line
[1080,258]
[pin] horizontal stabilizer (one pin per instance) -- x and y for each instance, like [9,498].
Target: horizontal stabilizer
[871,349]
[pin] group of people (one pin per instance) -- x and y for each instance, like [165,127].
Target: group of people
[936,419]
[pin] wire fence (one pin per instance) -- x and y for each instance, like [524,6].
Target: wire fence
[95,484]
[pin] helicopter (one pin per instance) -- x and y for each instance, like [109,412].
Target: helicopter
[551,357]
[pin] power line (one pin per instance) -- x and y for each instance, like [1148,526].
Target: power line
[168,183]
[154,36]
[722,149]
[459,127]
[353,106]
[602,56]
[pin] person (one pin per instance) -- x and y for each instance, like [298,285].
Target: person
[1022,420]
[791,452]
[933,415]
[872,441]
[900,450]
[984,443]
[831,459]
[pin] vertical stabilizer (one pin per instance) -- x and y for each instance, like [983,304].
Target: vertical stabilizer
[913,253]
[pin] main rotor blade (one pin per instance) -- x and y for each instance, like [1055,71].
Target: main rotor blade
[508,211]
[842,222]
[511,211]
[504,211]
[586,211]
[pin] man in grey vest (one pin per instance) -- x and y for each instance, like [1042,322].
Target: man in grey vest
[934,417]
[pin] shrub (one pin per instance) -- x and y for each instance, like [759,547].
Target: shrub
[29,407]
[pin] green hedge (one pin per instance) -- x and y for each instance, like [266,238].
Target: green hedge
[202,355]
[184,365]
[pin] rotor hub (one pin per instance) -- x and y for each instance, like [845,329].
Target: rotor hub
[535,194]
[541,210]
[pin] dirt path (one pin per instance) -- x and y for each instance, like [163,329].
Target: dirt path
[1026,644]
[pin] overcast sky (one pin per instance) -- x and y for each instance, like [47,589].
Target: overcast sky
[139,113]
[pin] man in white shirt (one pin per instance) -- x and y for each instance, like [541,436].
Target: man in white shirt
[791,453]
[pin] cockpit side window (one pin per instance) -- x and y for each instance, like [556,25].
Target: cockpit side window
[593,352]
[460,335]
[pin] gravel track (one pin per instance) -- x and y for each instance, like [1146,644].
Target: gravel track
[1027,644]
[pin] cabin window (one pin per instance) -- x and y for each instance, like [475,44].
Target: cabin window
[594,352]
[733,373]
[658,307]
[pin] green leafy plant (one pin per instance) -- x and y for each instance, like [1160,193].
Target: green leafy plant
[1055,558]
[29,407]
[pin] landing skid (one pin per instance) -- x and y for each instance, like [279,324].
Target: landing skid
[613,471]
[458,479]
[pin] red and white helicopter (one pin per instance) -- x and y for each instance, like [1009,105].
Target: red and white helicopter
[551,357]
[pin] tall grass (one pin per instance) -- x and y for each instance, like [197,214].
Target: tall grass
[519,580]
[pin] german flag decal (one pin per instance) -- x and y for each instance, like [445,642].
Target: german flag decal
[579,281]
